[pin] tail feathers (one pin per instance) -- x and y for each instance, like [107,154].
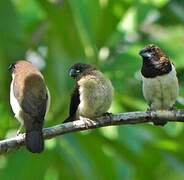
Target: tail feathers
[34,141]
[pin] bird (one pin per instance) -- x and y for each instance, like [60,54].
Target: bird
[159,80]
[30,100]
[92,95]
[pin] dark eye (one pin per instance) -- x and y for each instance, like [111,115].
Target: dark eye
[78,71]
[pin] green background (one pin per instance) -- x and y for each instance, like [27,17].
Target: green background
[109,34]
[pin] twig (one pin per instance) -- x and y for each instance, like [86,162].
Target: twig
[85,124]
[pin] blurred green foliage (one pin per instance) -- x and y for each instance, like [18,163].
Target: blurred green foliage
[108,33]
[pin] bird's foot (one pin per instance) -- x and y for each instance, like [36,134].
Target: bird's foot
[88,122]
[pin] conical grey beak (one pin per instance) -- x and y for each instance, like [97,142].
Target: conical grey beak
[144,53]
[73,72]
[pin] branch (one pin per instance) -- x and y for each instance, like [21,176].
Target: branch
[84,124]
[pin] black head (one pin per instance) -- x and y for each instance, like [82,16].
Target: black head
[155,62]
[152,52]
[80,69]
[11,67]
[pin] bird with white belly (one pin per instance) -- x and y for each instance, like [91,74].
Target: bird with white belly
[160,82]
[29,99]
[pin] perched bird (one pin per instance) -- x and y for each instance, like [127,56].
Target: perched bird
[29,99]
[160,82]
[92,95]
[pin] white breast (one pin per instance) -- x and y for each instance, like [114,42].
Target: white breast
[14,104]
[161,92]
[48,101]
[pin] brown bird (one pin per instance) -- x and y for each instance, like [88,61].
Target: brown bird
[29,99]
[160,82]
[92,95]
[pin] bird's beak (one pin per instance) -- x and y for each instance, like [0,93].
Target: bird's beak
[11,67]
[144,53]
[73,73]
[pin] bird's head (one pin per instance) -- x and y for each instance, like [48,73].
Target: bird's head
[21,66]
[152,53]
[80,69]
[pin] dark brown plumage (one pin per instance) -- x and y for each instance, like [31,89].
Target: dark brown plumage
[29,101]
[155,62]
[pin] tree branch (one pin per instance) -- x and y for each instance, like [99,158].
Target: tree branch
[83,124]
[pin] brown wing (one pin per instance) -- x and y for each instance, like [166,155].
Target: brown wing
[32,96]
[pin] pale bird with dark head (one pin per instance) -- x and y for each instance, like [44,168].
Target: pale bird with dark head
[29,99]
[160,82]
[92,95]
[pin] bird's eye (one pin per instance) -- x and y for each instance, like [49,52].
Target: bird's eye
[78,71]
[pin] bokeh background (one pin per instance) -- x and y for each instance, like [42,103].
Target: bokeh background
[54,34]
